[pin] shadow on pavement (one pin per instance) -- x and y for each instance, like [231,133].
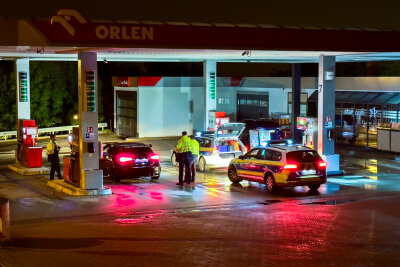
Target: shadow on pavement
[54,243]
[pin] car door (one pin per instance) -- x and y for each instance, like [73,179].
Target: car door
[247,167]
[263,158]
[274,161]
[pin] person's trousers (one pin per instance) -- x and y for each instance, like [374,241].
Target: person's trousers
[193,166]
[55,167]
[184,163]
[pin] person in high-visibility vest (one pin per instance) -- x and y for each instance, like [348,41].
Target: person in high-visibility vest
[195,154]
[184,149]
[52,154]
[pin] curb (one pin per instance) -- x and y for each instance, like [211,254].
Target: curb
[18,168]
[62,186]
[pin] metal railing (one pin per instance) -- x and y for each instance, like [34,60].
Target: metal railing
[6,135]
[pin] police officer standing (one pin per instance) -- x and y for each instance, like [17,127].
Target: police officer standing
[52,154]
[184,149]
[195,154]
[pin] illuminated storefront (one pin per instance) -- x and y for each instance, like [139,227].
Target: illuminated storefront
[358,114]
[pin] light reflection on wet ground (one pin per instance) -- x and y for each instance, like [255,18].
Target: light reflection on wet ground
[366,173]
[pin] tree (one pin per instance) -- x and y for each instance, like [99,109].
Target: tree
[389,68]
[48,92]
[8,96]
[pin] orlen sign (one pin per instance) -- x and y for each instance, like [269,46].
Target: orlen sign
[114,32]
[69,26]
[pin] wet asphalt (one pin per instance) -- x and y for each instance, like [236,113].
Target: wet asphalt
[39,214]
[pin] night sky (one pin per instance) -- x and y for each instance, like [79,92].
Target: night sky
[339,13]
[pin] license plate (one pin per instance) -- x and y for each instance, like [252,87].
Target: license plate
[308,172]
[141,160]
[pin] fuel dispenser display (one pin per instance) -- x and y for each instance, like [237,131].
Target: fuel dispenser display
[27,152]
[71,169]
[309,126]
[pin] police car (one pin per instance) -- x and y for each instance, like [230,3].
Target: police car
[280,166]
[218,148]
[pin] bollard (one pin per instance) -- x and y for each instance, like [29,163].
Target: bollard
[4,219]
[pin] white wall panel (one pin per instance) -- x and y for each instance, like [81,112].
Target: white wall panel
[163,111]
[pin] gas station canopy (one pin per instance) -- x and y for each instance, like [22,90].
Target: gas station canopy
[359,97]
[66,33]
[186,55]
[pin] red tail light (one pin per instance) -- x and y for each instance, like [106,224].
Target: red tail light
[322,164]
[124,158]
[291,167]
[155,157]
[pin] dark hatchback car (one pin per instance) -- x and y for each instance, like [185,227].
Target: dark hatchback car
[130,160]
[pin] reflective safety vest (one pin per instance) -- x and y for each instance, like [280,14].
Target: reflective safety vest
[196,147]
[51,147]
[184,144]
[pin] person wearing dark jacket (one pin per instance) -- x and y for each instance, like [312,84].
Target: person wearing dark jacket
[52,154]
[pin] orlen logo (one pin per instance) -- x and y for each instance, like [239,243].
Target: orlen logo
[64,16]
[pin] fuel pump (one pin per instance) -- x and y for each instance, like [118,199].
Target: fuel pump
[309,126]
[27,152]
[71,169]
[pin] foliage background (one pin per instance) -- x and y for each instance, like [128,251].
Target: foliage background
[54,94]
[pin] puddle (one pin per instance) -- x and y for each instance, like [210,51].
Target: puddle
[147,216]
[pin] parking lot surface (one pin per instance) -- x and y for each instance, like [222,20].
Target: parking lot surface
[351,220]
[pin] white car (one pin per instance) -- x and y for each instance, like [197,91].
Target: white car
[219,148]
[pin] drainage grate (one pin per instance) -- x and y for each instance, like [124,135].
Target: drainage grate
[330,202]
[269,201]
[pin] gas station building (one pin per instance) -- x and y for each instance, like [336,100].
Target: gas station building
[68,35]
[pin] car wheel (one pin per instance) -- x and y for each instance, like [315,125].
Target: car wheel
[232,175]
[203,165]
[173,160]
[270,183]
[155,176]
[314,187]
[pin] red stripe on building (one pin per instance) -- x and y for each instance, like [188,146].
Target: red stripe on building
[148,81]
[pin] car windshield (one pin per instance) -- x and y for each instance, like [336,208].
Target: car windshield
[303,156]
